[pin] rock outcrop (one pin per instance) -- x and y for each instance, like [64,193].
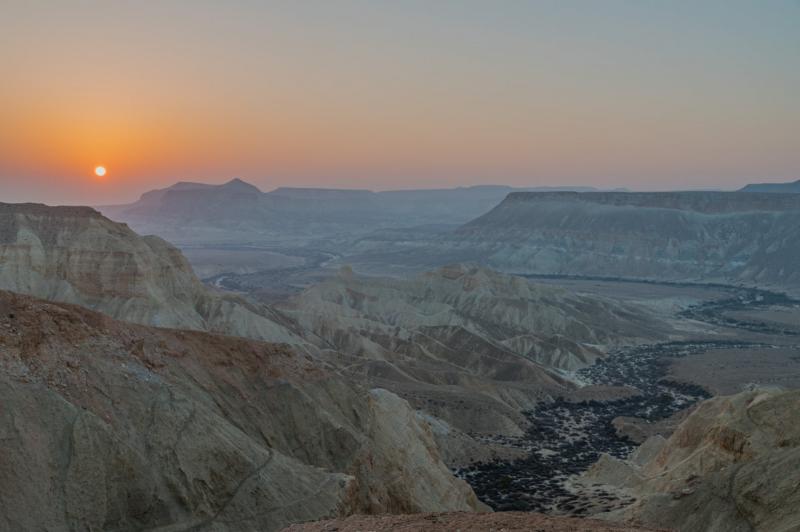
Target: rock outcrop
[731,466]
[109,425]
[684,236]
[75,255]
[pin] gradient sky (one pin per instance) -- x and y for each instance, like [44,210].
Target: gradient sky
[644,94]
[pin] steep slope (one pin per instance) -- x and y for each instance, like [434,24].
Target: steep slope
[792,187]
[108,425]
[730,466]
[468,345]
[696,236]
[75,255]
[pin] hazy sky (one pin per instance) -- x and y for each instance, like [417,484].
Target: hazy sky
[380,94]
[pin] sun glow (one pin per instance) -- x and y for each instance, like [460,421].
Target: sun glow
[100,171]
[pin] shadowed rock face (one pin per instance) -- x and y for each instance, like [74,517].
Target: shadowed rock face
[75,255]
[730,466]
[107,425]
[695,236]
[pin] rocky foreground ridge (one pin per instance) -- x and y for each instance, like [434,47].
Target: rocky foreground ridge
[76,255]
[463,522]
[114,426]
[731,466]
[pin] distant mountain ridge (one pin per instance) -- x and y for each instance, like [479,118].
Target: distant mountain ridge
[240,211]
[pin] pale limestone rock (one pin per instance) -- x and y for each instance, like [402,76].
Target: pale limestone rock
[75,255]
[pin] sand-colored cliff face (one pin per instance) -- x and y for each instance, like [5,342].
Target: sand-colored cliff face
[732,465]
[697,236]
[75,255]
[107,425]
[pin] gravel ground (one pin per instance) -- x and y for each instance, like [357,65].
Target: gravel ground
[462,521]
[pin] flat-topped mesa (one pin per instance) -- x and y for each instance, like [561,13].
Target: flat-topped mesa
[709,202]
[792,187]
[728,237]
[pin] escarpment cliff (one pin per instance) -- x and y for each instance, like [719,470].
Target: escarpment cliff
[681,236]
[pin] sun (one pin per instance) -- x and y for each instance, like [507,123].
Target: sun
[100,171]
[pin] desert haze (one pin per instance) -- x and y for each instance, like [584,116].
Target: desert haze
[349,266]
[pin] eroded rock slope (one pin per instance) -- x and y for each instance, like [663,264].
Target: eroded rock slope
[114,426]
[731,466]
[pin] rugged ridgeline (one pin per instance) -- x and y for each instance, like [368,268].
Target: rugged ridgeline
[467,345]
[731,466]
[75,255]
[464,522]
[728,237]
[115,426]
[790,188]
[237,211]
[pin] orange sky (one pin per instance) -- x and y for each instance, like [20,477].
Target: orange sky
[375,95]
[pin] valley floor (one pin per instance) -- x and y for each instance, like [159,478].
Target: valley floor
[742,338]
[727,339]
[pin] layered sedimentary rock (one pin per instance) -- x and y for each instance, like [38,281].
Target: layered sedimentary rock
[547,325]
[467,345]
[109,425]
[731,466]
[75,255]
[686,236]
